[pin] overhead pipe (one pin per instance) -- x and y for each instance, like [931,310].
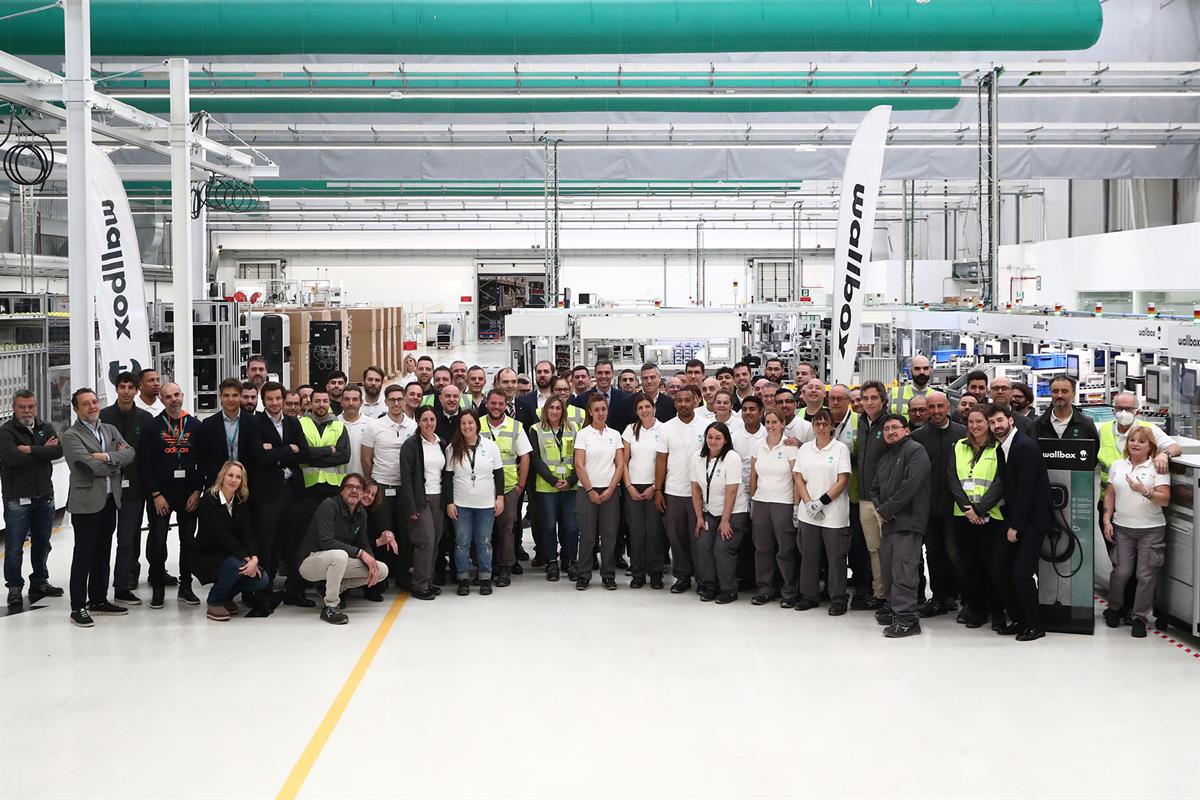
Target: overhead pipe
[162,28]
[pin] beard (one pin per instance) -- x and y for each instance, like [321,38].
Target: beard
[921,381]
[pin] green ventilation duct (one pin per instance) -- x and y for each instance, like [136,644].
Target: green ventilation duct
[555,27]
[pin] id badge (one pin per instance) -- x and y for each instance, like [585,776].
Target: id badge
[968,486]
[125,483]
[26,501]
[389,492]
[181,473]
[561,470]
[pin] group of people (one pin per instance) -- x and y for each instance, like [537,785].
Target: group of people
[804,494]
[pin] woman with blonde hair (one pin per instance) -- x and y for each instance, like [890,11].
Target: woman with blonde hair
[554,487]
[226,553]
[1134,522]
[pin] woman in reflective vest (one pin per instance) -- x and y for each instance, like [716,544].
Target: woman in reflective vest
[554,488]
[977,491]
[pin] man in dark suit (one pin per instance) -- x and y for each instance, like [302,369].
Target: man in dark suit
[664,405]
[617,400]
[276,487]
[1027,512]
[529,405]
[228,436]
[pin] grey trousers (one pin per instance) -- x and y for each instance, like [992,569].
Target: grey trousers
[774,536]
[596,521]
[900,560]
[645,535]
[716,558]
[504,547]
[680,522]
[339,571]
[1149,545]
[836,542]
[425,533]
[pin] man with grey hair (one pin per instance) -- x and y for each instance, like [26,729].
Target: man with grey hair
[939,436]
[1001,393]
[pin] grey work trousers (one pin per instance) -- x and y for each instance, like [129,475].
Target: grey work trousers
[1149,545]
[873,536]
[716,558]
[900,559]
[596,521]
[646,536]
[680,522]
[425,533]
[775,553]
[339,571]
[504,548]
[836,542]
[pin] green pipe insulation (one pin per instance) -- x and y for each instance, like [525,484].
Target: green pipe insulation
[555,27]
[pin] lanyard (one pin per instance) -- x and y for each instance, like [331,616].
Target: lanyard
[709,473]
[471,457]
[558,437]
[231,441]
[175,434]
[837,434]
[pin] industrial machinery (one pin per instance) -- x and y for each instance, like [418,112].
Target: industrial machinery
[270,337]
[1178,599]
[324,350]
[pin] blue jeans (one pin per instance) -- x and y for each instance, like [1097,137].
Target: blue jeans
[229,582]
[34,522]
[473,525]
[556,522]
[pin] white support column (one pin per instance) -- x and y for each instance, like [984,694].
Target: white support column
[77,92]
[182,279]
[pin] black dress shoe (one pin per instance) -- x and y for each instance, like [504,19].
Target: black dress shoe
[124,597]
[656,582]
[36,593]
[999,622]
[804,604]
[609,583]
[1112,617]
[859,602]
[680,586]
[259,612]
[464,588]
[372,593]
[637,582]
[837,608]
[726,597]
[760,599]
[522,555]
[170,580]
[1029,634]
[423,594]
[622,563]
[517,569]
[1014,629]
[298,600]
[975,621]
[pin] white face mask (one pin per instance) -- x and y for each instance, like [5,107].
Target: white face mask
[1125,418]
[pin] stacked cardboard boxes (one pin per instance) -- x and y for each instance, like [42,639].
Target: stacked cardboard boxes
[370,336]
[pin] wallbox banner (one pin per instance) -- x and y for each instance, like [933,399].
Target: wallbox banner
[1067,570]
[855,227]
[115,276]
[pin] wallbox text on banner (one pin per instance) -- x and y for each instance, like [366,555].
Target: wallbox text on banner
[855,227]
[115,277]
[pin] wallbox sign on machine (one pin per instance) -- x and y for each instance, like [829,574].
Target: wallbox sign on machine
[855,229]
[115,277]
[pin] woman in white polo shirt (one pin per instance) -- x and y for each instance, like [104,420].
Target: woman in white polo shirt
[599,465]
[722,514]
[1134,522]
[774,493]
[646,537]
[473,490]
[822,474]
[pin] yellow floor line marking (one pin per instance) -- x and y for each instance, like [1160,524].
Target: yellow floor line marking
[299,774]
[29,541]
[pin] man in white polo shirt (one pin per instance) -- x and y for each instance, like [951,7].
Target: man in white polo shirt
[356,424]
[679,443]
[380,454]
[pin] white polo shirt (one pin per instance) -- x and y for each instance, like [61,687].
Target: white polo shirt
[385,438]
[713,477]
[799,429]
[474,486]
[773,468]
[1132,510]
[355,431]
[745,444]
[642,451]
[821,468]
[601,448]
[681,442]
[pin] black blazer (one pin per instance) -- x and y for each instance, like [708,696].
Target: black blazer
[412,476]
[620,412]
[212,449]
[1081,426]
[527,409]
[1026,486]
[267,466]
[219,536]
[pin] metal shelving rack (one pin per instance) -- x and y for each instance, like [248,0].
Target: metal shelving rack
[35,353]
[220,346]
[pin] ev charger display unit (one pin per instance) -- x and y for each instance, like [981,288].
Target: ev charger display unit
[271,336]
[1066,572]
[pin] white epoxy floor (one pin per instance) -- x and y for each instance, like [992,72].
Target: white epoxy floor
[542,691]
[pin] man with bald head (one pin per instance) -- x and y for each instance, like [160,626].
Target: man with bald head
[922,371]
[938,436]
[708,390]
[1001,392]
[813,395]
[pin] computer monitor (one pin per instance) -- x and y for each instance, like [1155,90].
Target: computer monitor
[1152,389]
[1099,360]
[1188,383]
[1073,366]
[1121,374]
